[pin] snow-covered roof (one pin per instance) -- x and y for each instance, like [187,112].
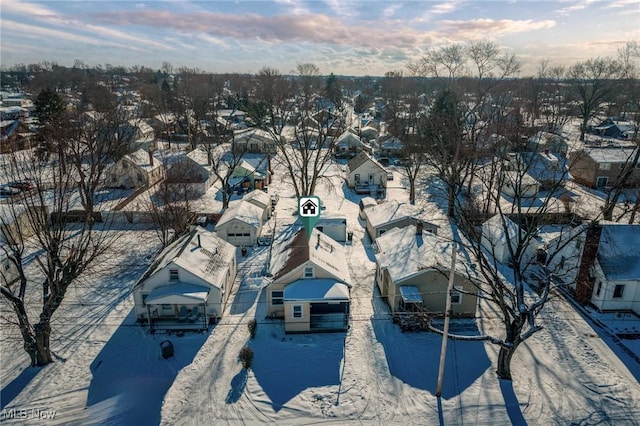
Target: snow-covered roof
[320,249]
[392,211]
[316,289]
[361,159]
[259,196]
[141,159]
[619,251]
[200,156]
[201,252]
[608,155]
[349,139]
[178,293]
[244,211]
[404,254]
[500,229]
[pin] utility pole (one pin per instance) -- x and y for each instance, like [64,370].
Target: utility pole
[447,315]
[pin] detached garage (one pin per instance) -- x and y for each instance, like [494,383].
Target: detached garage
[241,224]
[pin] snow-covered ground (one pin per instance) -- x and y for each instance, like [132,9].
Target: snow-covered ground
[110,370]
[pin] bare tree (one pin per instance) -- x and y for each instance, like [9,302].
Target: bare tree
[61,225]
[302,134]
[593,82]
[451,152]
[518,298]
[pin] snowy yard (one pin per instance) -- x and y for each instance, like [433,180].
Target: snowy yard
[109,370]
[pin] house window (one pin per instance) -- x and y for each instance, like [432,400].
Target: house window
[308,272]
[174,275]
[296,311]
[598,288]
[618,291]
[370,178]
[357,177]
[602,181]
[604,166]
[456,296]
[277,297]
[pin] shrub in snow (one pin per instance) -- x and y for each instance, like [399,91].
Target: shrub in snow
[253,326]
[246,357]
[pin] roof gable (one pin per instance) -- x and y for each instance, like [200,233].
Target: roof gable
[363,158]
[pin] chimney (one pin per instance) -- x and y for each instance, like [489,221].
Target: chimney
[419,227]
[584,282]
[270,171]
[150,158]
[199,245]
[318,240]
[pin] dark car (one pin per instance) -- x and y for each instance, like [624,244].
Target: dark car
[22,185]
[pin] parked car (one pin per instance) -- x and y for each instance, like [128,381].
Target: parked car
[22,185]
[389,176]
[8,191]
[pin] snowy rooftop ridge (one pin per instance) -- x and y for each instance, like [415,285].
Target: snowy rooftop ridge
[200,252]
[320,249]
[404,253]
[243,211]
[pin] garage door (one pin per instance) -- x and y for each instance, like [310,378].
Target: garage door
[329,316]
[239,239]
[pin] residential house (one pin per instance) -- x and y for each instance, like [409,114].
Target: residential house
[393,214]
[600,167]
[262,200]
[517,184]
[135,170]
[548,142]
[615,128]
[412,273]
[20,221]
[501,236]
[191,172]
[252,172]
[348,142]
[187,286]
[365,171]
[609,276]
[369,132]
[240,224]
[253,140]
[390,146]
[310,285]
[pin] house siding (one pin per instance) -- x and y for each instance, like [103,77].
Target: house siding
[433,287]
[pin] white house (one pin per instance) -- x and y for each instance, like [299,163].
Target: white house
[499,233]
[412,273]
[188,284]
[240,224]
[393,214]
[364,170]
[253,140]
[615,273]
[310,286]
[136,170]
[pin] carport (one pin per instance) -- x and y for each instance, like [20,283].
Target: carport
[323,305]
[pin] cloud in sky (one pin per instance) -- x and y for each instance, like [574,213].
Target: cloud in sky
[359,37]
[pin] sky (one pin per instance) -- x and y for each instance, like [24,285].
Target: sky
[341,37]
